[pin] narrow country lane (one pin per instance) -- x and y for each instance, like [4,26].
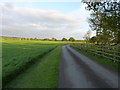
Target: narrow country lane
[78,71]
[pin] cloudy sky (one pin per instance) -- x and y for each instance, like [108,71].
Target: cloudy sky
[44,19]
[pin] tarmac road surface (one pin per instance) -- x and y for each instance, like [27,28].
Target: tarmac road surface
[78,71]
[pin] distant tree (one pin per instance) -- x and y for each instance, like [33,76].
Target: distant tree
[30,38]
[35,38]
[87,36]
[71,39]
[64,39]
[46,39]
[54,39]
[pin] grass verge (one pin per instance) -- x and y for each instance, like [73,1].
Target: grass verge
[44,74]
[101,60]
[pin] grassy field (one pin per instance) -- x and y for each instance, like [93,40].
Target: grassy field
[104,61]
[19,56]
[44,74]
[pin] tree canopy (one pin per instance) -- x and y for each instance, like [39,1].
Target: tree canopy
[71,39]
[64,39]
[105,19]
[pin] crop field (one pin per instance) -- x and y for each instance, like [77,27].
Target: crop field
[19,56]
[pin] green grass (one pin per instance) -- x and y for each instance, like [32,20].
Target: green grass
[17,56]
[102,60]
[42,75]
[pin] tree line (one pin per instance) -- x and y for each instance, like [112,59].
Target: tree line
[105,20]
[46,39]
[19,38]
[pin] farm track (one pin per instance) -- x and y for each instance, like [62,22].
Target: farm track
[34,60]
[78,71]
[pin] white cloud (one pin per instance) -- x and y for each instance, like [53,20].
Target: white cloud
[29,22]
[40,0]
